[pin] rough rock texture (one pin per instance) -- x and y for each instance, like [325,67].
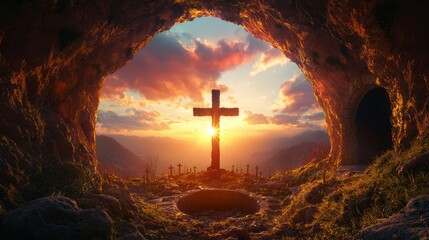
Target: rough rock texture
[57,218]
[417,163]
[55,55]
[410,223]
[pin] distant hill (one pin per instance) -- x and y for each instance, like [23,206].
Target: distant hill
[167,151]
[115,158]
[317,136]
[294,157]
[254,150]
[270,148]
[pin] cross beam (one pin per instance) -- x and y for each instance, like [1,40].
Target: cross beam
[215,112]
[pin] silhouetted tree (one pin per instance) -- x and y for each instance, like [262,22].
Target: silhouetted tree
[152,165]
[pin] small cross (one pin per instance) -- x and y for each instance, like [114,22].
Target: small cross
[256,170]
[215,112]
[179,165]
[171,170]
[247,169]
[147,174]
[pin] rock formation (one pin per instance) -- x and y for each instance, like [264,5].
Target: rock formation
[57,218]
[410,223]
[55,55]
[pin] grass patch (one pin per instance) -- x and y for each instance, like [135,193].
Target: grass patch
[360,200]
[68,179]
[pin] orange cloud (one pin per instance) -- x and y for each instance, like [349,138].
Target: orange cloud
[165,69]
[293,120]
[269,59]
[297,96]
[135,120]
[256,118]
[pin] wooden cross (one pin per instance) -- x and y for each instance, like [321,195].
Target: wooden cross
[256,170]
[147,174]
[171,170]
[247,169]
[215,112]
[179,165]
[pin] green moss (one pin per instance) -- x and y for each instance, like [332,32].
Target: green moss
[69,179]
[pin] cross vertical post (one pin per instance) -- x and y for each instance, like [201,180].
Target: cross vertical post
[147,174]
[215,112]
[247,169]
[179,165]
[171,170]
[215,126]
[195,169]
[256,170]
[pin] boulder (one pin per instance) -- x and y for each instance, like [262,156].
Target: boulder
[57,218]
[419,162]
[110,204]
[410,223]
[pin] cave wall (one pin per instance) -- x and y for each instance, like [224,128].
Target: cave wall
[55,55]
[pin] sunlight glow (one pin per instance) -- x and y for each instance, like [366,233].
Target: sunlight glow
[212,131]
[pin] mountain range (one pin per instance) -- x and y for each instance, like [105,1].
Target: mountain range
[114,158]
[271,154]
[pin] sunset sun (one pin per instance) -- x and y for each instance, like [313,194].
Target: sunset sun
[212,131]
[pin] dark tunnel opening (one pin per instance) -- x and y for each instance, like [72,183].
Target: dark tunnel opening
[374,129]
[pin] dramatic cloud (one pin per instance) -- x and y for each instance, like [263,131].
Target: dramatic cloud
[315,116]
[280,119]
[256,118]
[135,120]
[268,59]
[285,119]
[166,69]
[297,96]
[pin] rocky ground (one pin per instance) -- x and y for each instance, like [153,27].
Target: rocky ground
[313,202]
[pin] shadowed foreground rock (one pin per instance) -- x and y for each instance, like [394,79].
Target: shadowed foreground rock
[412,222]
[57,218]
[418,163]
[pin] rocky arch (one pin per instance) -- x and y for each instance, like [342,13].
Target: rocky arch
[54,56]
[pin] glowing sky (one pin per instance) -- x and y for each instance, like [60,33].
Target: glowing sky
[154,93]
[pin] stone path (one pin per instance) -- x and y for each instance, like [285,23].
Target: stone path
[348,170]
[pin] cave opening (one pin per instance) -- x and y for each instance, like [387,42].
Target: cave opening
[150,97]
[374,129]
